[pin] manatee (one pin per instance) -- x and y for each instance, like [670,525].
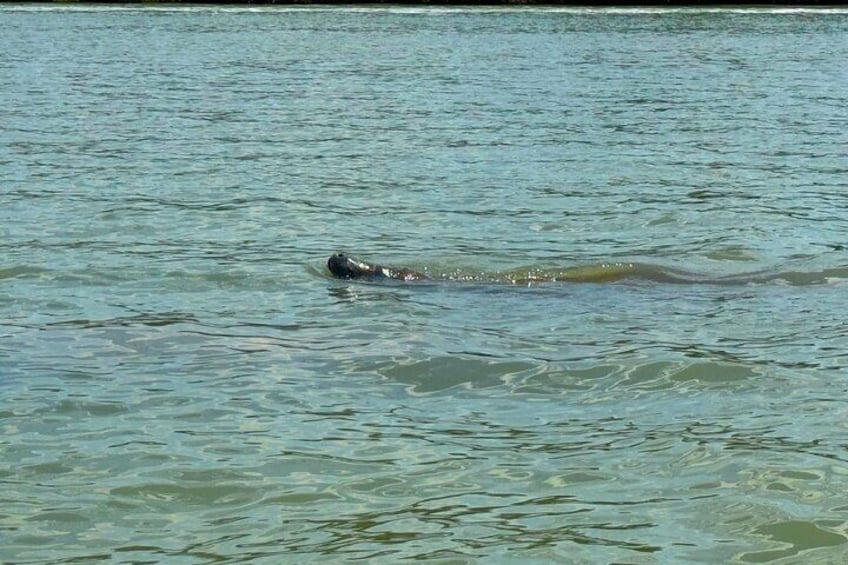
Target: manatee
[344,266]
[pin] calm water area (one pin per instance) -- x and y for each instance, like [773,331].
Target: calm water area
[182,381]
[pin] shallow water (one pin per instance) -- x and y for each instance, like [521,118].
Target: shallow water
[182,380]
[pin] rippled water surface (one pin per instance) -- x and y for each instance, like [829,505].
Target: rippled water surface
[181,381]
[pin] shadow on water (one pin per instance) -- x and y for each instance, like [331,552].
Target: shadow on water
[142,319]
[796,536]
[545,379]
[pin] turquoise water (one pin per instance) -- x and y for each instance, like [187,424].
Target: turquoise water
[181,381]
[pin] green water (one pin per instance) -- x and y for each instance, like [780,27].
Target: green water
[181,381]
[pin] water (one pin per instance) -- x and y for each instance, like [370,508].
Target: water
[182,381]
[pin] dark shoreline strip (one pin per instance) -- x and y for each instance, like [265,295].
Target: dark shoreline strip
[588,4]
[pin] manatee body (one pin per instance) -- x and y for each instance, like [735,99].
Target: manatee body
[346,267]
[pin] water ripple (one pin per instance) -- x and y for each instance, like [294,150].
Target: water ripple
[183,381]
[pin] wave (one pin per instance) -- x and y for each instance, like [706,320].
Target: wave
[615,272]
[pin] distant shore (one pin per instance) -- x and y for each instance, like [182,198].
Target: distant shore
[596,3]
